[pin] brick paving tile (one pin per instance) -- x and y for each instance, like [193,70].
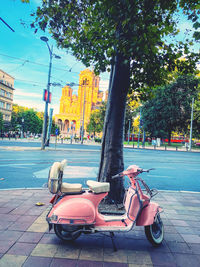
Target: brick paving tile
[21,249]
[50,239]
[38,227]
[37,262]
[83,263]
[195,248]
[70,252]
[173,237]
[163,248]
[20,211]
[5,210]
[179,248]
[184,230]
[9,218]
[185,260]
[170,229]
[30,237]
[191,238]
[10,235]
[163,259]
[29,218]
[47,250]
[20,226]
[93,253]
[139,257]
[4,225]
[65,263]
[115,256]
[5,245]
[35,211]
[179,223]
[12,260]
[115,264]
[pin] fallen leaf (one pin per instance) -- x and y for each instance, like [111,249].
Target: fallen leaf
[39,204]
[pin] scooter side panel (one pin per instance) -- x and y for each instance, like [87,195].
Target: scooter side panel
[148,214]
[73,211]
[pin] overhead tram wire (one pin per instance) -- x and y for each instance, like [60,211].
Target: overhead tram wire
[39,64]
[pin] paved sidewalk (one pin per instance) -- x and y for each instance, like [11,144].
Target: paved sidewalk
[25,241]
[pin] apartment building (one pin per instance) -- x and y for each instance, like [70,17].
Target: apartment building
[6,95]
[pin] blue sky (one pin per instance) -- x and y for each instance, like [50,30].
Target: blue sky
[25,57]
[20,48]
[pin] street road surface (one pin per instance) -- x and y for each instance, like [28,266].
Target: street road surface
[29,168]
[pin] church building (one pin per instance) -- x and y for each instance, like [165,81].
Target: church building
[76,110]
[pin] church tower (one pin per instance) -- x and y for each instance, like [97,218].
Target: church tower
[76,110]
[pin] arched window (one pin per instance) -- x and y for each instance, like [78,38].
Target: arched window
[85,81]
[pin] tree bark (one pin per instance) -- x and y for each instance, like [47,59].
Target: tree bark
[169,137]
[112,161]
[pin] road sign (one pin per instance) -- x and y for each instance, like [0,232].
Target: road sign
[56,131]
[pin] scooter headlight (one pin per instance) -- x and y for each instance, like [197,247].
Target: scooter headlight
[53,218]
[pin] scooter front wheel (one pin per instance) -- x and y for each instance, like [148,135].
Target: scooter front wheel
[155,232]
[67,232]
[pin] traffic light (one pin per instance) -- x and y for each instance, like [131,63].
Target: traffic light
[47,96]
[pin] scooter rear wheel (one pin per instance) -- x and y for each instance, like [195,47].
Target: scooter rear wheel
[155,232]
[67,232]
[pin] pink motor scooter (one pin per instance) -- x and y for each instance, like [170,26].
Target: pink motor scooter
[75,210]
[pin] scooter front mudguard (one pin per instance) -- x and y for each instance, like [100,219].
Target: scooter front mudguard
[72,211]
[148,214]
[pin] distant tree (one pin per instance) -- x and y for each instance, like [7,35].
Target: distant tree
[27,118]
[132,108]
[170,109]
[32,122]
[96,122]
[196,119]
[54,127]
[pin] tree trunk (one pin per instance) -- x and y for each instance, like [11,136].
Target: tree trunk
[169,137]
[112,161]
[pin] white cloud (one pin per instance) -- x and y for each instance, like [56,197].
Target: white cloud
[103,85]
[19,92]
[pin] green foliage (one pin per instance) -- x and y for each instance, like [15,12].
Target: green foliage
[26,119]
[196,119]
[95,31]
[97,120]
[170,109]
[54,127]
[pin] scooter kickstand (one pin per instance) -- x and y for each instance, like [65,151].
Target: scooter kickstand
[113,242]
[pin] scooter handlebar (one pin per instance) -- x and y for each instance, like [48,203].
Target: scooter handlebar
[124,173]
[147,170]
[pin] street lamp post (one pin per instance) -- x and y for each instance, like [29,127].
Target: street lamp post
[22,132]
[190,142]
[129,126]
[44,129]
[82,128]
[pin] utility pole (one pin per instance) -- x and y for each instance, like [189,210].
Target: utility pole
[49,126]
[44,129]
[190,144]
[82,128]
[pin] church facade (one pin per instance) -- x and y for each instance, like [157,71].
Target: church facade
[75,110]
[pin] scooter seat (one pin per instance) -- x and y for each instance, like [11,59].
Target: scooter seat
[55,183]
[98,187]
[70,188]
